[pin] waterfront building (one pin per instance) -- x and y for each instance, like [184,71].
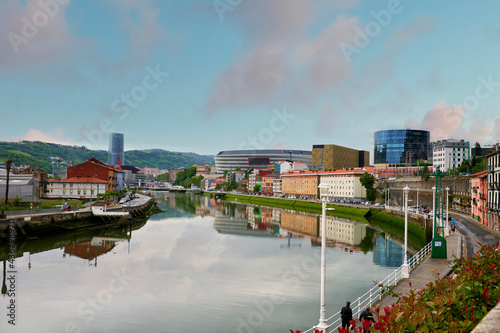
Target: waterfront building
[344,184]
[277,187]
[301,184]
[450,154]
[329,157]
[95,169]
[267,183]
[255,177]
[286,166]
[258,159]
[24,186]
[401,146]
[235,175]
[479,192]
[116,149]
[493,200]
[76,188]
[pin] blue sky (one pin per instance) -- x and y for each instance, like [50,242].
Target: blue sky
[205,76]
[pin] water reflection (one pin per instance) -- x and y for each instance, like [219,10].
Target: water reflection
[201,266]
[253,220]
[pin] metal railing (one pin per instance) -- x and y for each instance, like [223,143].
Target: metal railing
[375,293]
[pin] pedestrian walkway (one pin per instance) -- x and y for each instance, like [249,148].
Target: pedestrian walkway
[427,271]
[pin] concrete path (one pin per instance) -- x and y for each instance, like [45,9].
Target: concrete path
[427,271]
[424,273]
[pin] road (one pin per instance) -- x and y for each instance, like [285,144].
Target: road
[474,233]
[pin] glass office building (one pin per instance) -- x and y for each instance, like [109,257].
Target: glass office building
[116,149]
[401,146]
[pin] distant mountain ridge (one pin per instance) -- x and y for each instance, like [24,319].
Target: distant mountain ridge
[42,154]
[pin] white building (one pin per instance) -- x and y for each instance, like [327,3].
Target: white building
[237,176]
[277,187]
[450,154]
[344,184]
[76,187]
[286,166]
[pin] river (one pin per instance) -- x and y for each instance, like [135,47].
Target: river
[201,266]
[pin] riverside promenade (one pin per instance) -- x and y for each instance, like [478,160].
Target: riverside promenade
[427,271]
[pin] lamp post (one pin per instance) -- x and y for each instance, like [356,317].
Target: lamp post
[446,230]
[433,209]
[418,203]
[323,325]
[406,268]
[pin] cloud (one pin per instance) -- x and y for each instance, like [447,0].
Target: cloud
[419,26]
[432,81]
[139,20]
[279,60]
[445,122]
[37,135]
[442,120]
[36,35]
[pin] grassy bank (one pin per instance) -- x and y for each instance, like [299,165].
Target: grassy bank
[377,217]
[44,204]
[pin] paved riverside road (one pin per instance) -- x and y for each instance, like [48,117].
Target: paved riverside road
[474,233]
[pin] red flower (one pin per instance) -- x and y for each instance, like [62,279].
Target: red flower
[297,331]
[318,331]
[341,330]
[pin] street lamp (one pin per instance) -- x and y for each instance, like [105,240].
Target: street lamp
[446,230]
[323,191]
[433,209]
[418,203]
[406,268]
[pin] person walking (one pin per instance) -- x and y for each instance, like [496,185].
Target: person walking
[346,316]
[366,318]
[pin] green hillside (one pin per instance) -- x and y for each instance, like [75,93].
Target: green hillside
[38,154]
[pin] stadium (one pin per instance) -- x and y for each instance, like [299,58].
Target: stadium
[258,159]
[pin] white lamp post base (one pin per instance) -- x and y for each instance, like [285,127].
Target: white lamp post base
[406,271]
[322,326]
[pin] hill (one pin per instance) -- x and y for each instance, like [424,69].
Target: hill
[42,154]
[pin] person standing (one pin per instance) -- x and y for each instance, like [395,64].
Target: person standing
[346,315]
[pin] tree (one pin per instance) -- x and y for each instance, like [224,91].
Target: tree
[477,150]
[368,180]
[256,188]
[425,173]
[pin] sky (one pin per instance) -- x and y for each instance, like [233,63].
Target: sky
[205,76]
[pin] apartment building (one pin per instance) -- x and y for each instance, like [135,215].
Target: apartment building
[493,183]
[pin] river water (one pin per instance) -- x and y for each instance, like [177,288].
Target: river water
[202,266]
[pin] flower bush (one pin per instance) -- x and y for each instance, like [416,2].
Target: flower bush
[453,304]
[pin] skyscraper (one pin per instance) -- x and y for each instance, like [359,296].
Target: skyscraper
[115,150]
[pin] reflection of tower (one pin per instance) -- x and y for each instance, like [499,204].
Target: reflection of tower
[387,252]
[115,150]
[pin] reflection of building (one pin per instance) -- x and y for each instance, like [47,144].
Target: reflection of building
[225,224]
[344,231]
[257,158]
[401,146]
[90,250]
[387,252]
[329,157]
[116,149]
[300,223]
